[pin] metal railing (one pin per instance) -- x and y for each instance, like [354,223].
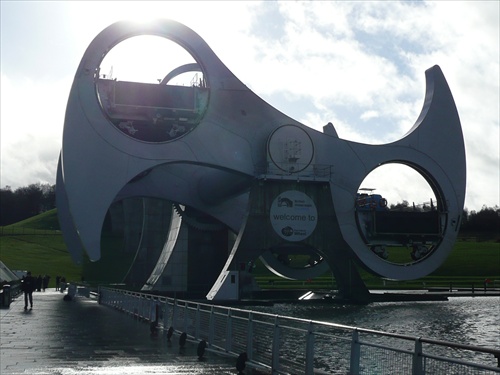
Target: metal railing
[285,345]
[320,172]
[15,231]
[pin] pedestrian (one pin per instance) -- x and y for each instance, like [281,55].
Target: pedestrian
[45,282]
[28,286]
[63,284]
[39,283]
[58,280]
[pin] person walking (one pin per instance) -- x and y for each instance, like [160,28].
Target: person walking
[58,281]
[38,282]
[28,287]
[45,282]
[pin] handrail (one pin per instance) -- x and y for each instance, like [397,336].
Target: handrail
[19,231]
[296,345]
[320,172]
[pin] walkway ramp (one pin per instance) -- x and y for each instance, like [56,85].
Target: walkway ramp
[83,337]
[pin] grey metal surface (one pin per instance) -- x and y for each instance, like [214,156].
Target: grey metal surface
[213,165]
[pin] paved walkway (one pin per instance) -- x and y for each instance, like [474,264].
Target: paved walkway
[85,338]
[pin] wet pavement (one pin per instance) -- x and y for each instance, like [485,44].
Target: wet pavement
[83,337]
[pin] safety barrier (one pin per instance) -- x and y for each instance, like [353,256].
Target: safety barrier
[19,231]
[285,345]
[319,172]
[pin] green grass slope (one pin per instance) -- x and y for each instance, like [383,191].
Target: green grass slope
[36,244]
[45,221]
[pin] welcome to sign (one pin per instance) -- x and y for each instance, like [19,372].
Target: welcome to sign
[293,215]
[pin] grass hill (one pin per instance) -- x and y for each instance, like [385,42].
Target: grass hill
[36,244]
[45,221]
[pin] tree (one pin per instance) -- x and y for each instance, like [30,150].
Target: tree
[7,206]
[486,220]
[400,206]
[25,202]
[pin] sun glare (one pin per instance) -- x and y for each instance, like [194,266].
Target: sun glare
[146,59]
[398,183]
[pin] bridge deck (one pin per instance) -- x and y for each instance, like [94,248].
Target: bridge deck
[81,336]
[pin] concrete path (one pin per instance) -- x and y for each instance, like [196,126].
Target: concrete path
[85,338]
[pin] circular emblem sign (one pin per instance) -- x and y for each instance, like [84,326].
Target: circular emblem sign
[293,215]
[290,148]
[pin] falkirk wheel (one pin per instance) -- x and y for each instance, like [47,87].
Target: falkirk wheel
[206,178]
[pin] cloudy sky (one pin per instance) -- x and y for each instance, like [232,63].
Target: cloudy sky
[359,65]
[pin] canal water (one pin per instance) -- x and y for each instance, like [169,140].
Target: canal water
[466,320]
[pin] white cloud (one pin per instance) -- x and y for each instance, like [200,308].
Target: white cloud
[32,119]
[369,115]
[384,74]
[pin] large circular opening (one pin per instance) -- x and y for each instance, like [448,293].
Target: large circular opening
[152,89]
[294,262]
[398,214]
[402,186]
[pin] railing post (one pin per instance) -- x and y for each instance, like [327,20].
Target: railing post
[275,367]
[123,301]
[250,336]
[157,311]
[211,327]
[309,370]
[174,315]
[133,303]
[229,331]
[135,308]
[130,304]
[186,315]
[418,368]
[355,353]
[152,310]
[165,316]
[197,323]
[137,305]
[148,307]
[145,307]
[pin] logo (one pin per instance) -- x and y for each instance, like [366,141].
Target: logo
[284,202]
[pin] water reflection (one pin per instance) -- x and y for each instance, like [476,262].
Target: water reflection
[468,320]
[464,320]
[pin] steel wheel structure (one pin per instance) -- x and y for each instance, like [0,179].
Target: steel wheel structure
[242,180]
